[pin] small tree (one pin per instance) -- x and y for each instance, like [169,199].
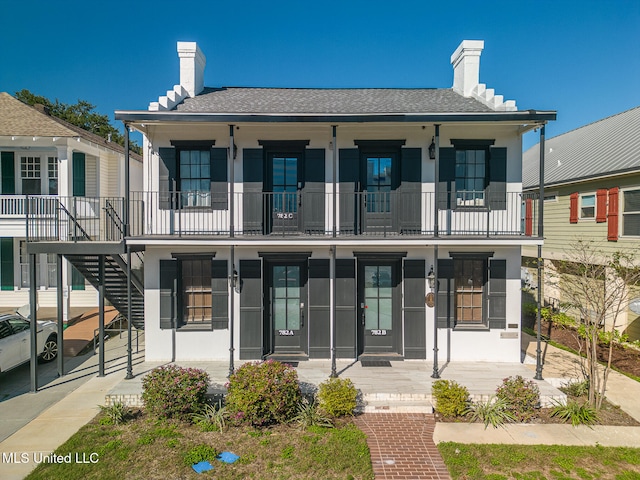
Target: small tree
[594,286]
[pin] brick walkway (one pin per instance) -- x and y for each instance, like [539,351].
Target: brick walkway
[402,445]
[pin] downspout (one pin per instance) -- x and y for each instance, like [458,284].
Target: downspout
[538,375]
[33,299]
[436,373]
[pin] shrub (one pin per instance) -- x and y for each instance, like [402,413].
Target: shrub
[494,412]
[529,309]
[577,413]
[200,453]
[174,391]
[576,388]
[522,396]
[309,415]
[113,414]
[451,398]
[210,418]
[262,393]
[337,397]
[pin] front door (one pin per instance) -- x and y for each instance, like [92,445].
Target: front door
[285,197]
[287,307]
[379,301]
[377,199]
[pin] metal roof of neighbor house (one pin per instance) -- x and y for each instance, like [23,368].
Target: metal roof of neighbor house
[249,100]
[19,119]
[607,147]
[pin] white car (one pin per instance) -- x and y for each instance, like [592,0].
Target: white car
[15,341]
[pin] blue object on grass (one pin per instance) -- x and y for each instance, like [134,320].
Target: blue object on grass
[202,467]
[227,457]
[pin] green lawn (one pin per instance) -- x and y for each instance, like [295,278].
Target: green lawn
[145,448]
[538,462]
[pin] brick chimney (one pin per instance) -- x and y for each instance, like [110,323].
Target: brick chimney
[466,66]
[192,63]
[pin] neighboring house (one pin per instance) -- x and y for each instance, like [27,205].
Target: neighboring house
[592,192]
[285,223]
[56,164]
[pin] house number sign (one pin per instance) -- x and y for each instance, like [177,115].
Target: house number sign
[284,216]
[379,333]
[285,333]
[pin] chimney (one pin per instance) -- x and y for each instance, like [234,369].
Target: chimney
[192,63]
[466,66]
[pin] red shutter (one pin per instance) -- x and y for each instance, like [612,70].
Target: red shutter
[612,231]
[601,205]
[528,217]
[573,208]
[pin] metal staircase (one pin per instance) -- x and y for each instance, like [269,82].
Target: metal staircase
[115,283]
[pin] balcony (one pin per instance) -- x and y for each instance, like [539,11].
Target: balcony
[283,214]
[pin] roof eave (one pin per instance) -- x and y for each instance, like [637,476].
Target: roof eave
[524,117]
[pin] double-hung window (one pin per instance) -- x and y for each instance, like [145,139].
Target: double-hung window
[52,170]
[196,291]
[30,173]
[587,206]
[471,177]
[631,213]
[195,178]
[469,280]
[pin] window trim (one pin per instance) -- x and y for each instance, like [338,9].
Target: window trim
[547,197]
[621,212]
[464,144]
[581,196]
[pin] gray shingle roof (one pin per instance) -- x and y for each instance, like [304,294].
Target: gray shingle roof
[605,147]
[246,100]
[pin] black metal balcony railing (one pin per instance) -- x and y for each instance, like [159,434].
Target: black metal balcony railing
[375,214]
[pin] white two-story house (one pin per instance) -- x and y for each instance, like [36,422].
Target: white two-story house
[63,170]
[320,223]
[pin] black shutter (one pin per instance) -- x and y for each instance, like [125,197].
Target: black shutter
[313,198]
[319,309]
[349,177]
[252,201]
[6,263]
[79,174]
[168,293]
[414,310]
[409,206]
[167,178]
[447,177]
[345,308]
[497,294]
[498,179]
[8,171]
[219,295]
[219,178]
[446,292]
[251,309]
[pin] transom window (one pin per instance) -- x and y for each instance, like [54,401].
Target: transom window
[378,293]
[631,213]
[196,291]
[469,276]
[30,174]
[195,178]
[471,171]
[587,206]
[378,184]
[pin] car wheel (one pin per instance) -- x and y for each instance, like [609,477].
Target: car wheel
[50,351]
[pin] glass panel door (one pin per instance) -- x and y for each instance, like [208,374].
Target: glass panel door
[288,307]
[378,289]
[377,200]
[285,195]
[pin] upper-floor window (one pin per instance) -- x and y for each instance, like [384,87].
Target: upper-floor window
[587,206]
[631,212]
[52,169]
[195,178]
[30,174]
[471,179]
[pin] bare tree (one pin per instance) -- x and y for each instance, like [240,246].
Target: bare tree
[594,286]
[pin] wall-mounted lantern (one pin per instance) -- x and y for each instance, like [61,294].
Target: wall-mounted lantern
[432,149]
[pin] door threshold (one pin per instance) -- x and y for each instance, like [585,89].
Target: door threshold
[287,357]
[378,357]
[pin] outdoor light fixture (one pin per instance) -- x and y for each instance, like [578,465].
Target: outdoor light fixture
[432,149]
[431,278]
[234,280]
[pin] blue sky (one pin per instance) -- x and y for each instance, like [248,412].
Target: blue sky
[577,57]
